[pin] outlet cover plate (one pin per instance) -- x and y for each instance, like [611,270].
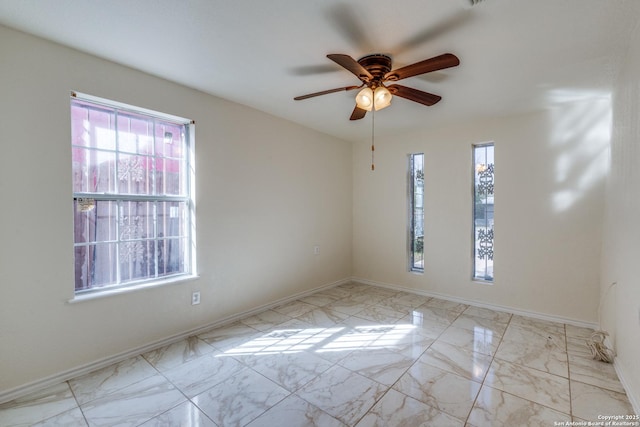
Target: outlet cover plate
[195,298]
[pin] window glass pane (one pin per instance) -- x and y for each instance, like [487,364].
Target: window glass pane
[416,211]
[137,247]
[93,171]
[172,218]
[484,166]
[136,258]
[94,221]
[135,134]
[95,265]
[171,256]
[136,220]
[134,174]
[168,140]
[92,127]
[170,177]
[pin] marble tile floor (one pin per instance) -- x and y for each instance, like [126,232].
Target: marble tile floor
[353,355]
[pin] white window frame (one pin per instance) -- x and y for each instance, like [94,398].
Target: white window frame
[487,244]
[189,255]
[412,193]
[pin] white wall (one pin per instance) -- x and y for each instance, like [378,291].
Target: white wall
[621,254]
[267,191]
[550,169]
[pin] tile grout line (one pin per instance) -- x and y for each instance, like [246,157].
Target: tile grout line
[291,393]
[389,388]
[544,372]
[566,346]
[73,393]
[493,356]
[174,386]
[416,361]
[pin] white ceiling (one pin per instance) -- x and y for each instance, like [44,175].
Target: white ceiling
[516,55]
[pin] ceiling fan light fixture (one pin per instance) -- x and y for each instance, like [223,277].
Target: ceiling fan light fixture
[382,98]
[364,99]
[367,99]
[375,70]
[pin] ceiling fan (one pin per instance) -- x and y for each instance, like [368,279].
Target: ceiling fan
[374,71]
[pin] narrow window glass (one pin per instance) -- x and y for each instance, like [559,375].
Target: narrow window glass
[131,195]
[416,212]
[483,196]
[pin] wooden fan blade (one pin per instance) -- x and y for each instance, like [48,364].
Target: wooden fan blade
[352,65]
[414,94]
[440,62]
[358,113]
[325,92]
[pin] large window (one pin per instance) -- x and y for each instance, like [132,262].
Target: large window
[132,197]
[483,196]
[416,212]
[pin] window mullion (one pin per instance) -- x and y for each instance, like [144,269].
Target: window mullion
[116,186]
[118,241]
[155,240]
[186,178]
[116,129]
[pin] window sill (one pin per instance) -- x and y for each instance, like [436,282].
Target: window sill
[134,288]
[482,282]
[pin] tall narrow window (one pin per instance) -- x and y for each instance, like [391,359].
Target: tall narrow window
[483,195]
[416,212]
[132,197]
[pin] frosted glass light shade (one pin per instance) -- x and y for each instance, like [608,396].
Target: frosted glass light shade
[382,98]
[364,99]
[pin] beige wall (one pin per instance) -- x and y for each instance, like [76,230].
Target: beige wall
[621,254]
[267,192]
[550,169]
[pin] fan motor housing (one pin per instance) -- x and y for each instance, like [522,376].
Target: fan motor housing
[377,64]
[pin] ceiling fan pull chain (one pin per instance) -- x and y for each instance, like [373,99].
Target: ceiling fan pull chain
[373,146]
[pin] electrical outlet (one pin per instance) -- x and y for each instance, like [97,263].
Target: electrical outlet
[195,298]
[316,250]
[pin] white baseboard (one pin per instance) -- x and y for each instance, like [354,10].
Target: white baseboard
[26,389]
[624,379]
[496,307]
